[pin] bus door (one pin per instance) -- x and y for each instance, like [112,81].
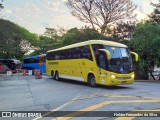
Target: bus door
[102,67]
[86,62]
[101,63]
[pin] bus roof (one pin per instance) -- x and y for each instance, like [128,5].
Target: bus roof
[103,42]
[36,56]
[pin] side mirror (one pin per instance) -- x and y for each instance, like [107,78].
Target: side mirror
[107,53]
[135,55]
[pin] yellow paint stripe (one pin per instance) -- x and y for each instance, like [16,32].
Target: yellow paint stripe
[99,105]
[82,111]
[115,95]
[60,107]
[140,111]
[87,97]
[112,95]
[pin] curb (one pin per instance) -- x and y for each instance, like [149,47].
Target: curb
[147,80]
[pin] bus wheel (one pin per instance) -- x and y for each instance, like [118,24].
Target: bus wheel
[52,75]
[56,76]
[92,81]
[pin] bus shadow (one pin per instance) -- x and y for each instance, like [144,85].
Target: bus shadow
[72,82]
[114,87]
[98,86]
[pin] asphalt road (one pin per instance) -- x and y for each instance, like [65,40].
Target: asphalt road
[74,99]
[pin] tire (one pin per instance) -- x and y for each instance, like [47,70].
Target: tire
[52,75]
[56,77]
[92,81]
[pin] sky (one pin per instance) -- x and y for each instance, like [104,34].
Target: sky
[36,15]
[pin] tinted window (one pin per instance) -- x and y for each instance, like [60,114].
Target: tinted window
[86,52]
[51,55]
[96,52]
[30,60]
[73,53]
[96,47]
[102,60]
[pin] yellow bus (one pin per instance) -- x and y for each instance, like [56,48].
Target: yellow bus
[94,61]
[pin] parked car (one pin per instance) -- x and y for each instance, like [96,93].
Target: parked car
[3,68]
[12,64]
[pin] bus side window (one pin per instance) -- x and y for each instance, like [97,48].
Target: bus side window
[76,53]
[68,54]
[102,60]
[86,52]
[95,48]
[57,56]
[62,54]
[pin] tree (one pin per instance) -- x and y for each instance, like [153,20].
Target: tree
[76,35]
[155,15]
[146,42]
[54,34]
[50,32]
[123,32]
[46,43]
[15,40]
[49,40]
[1,6]
[100,13]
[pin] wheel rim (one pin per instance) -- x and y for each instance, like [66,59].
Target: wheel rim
[57,76]
[52,75]
[92,81]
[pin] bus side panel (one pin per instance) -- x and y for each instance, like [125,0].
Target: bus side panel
[42,68]
[51,65]
[88,66]
[32,66]
[70,69]
[76,69]
[48,68]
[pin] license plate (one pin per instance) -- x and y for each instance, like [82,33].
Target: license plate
[123,82]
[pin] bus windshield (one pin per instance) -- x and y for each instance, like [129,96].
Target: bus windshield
[120,61]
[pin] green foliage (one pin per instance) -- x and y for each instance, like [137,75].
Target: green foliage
[146,42]
[45,44]
[76,35]
[52,33]
[15,40]
[70,37]
[125,31]
[122,32]
[154,17]
[141,69]
[50,40]
[54,39]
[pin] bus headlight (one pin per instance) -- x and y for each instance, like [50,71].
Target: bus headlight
[132,76]
[113,77]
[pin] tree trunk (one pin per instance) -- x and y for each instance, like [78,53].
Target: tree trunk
[103,30]
[150,72]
